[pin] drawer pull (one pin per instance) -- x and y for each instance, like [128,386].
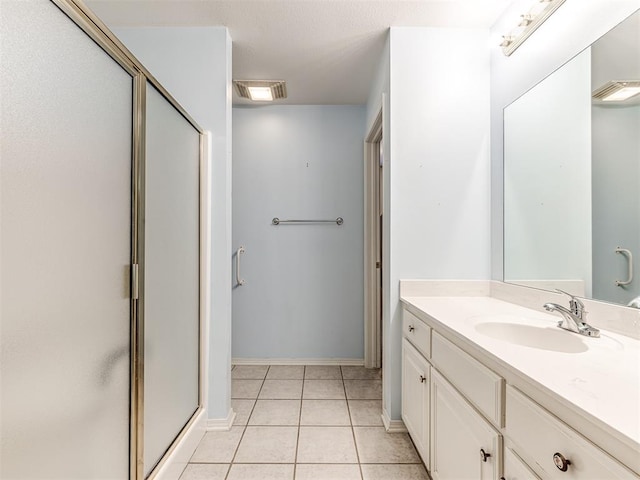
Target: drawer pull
[423,379]
[411,328]
[484,455]
[561,462]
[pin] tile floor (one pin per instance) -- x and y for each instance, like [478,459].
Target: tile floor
[305,423]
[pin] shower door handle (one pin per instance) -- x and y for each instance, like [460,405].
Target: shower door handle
[626,253]
[239,279]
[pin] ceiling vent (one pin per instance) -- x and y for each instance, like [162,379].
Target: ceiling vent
[261,90]
[617,91]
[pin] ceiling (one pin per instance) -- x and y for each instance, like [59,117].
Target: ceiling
[326,50]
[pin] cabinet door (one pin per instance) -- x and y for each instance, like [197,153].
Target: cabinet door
[463,444]
[415,398]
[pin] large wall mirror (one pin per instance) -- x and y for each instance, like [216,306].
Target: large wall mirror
[572,174]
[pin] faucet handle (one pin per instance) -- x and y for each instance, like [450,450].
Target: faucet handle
[576,305]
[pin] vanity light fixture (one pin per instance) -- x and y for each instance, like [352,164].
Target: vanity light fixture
[261,90]
[617,91]
[529,22]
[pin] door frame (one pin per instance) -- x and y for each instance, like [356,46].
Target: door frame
[372,245]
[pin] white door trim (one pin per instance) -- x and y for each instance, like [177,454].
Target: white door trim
[372,293]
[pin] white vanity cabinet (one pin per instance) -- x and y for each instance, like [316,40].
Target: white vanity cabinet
[416,373]
[464,411]
[454,439]
[464,446]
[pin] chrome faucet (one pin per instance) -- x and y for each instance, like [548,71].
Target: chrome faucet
[573,317]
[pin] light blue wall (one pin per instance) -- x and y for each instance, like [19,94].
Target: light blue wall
[194,65]
[303,297]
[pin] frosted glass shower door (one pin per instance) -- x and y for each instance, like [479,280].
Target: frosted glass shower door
[65,249]
[171,276]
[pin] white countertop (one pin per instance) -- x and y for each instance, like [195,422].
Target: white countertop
[600,376]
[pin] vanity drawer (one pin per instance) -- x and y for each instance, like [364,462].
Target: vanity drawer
[540,436]
[417,332]
[481,386]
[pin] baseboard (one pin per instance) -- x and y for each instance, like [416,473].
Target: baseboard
[177,461]
[221,424]
[298,361]
[392,426]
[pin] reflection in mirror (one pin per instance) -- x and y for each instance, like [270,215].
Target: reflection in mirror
[572,174]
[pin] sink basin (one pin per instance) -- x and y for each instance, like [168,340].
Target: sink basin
[543,338]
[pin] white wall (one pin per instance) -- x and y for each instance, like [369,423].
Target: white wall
[437,191]
[547,170]
[573,27]
[616,56]
[302,299]
[194,65]
[379,87]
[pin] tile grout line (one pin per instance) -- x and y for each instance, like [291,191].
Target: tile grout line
[295,458]
[247,424]
[353,433]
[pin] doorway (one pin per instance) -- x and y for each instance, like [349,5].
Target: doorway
[373,246]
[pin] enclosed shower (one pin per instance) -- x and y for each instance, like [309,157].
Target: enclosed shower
[100,293]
